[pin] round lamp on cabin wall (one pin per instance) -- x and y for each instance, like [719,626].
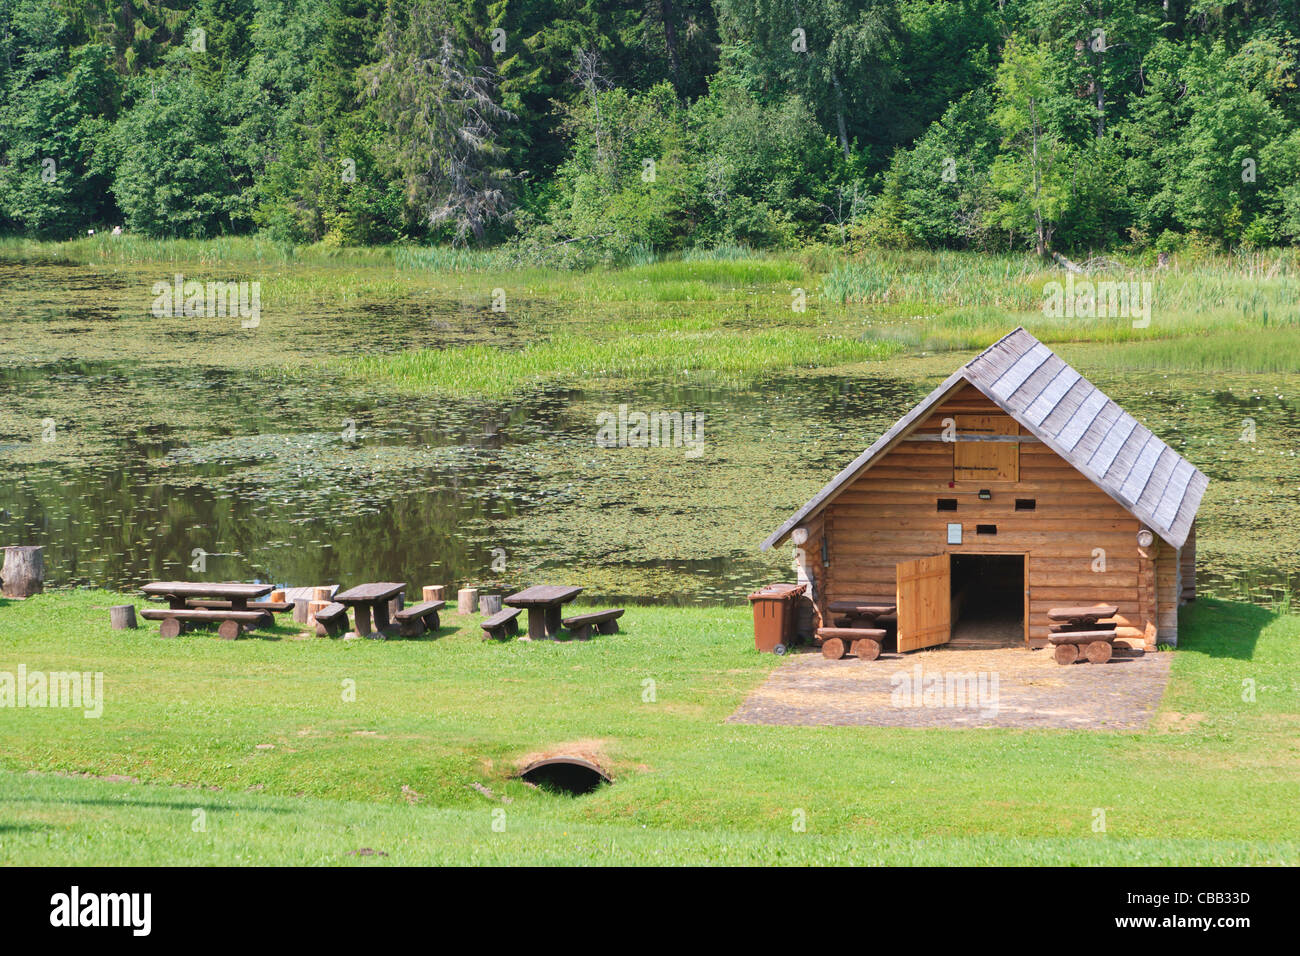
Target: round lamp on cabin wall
[799,535]
[1145,538]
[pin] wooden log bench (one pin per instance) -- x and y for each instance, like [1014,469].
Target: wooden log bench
[864,643]
[174,620]
[332,620]
[502,624]
[274,607]
[869,608]
[415,620]
[1081,637]
[267,608]
[1082,626]
[605,622]
[1093,646]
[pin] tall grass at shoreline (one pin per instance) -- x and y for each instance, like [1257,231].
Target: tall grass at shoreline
[485,370]
[1208,311]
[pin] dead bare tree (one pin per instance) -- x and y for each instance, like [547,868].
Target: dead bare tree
[587,75]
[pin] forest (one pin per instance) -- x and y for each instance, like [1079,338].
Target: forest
[575,132]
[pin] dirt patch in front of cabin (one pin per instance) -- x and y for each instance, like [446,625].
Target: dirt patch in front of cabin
[1003,687]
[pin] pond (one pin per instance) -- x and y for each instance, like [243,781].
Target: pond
[136,448]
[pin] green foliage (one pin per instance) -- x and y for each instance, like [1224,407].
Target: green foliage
[1031,175]
[173,177]
[937,193]
[54,122]
[772,123]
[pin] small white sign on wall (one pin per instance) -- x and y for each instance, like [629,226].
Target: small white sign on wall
[954,534]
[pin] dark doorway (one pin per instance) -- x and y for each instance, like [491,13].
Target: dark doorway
[988,600]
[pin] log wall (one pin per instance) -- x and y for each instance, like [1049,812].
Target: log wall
[890,515]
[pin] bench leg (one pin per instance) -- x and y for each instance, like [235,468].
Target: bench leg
[582,632]
[170,627]
[411,628]
[431,621]
[512,627]
[607,627]
[229,630]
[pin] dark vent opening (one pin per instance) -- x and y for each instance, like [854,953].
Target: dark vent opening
[986,529]
[1026,504]
[947,504]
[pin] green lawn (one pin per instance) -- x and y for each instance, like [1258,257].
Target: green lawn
[258,736]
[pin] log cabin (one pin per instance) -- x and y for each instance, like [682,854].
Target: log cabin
[1014,487]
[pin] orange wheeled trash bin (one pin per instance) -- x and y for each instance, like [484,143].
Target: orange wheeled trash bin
[774,615]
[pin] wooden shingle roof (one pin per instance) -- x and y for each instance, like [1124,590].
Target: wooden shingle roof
[1071,416]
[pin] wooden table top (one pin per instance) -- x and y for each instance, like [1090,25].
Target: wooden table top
[540,595]
[1094,613]
[378,591]
[187,589]
[872,608]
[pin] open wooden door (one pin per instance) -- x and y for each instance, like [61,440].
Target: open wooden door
[924,603]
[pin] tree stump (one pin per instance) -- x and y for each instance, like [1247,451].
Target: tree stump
[866,649]
[321,594]
[313,607]
[435,592]
[169,628]
[1067,653]
[466,600]
[832,649]
[489,604]
[277,597]
[300,613]
[1098,652]
[122,617]
[24,571]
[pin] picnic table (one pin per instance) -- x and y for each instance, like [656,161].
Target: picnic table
[1080,633]
[858,628]
[177,593]
[181,610]
[543,603]
[367,600]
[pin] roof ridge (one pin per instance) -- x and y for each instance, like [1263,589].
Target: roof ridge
[989,348]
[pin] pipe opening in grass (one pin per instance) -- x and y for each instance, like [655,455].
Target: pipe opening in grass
[573,776]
